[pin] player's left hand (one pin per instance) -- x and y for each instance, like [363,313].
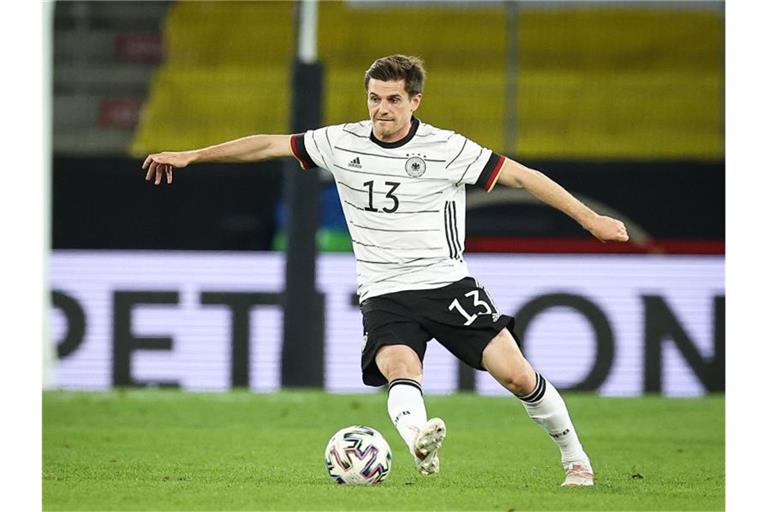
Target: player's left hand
[608,229]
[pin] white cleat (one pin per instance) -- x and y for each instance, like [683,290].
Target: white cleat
[578,474]
[426,444]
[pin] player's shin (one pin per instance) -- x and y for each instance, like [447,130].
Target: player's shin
[546,407]
[405,405]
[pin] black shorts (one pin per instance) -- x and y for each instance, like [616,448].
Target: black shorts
[460,316]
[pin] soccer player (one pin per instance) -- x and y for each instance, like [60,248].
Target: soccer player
[402,187]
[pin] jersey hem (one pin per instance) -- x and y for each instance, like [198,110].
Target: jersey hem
[376,291]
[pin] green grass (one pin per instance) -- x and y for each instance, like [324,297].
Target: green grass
[168,450]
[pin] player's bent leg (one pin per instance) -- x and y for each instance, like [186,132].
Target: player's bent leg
[505,362]
[401,366]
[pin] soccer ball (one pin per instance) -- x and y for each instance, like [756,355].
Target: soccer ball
[358,455]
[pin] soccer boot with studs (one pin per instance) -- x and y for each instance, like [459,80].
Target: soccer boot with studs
[578,474]
[426,445]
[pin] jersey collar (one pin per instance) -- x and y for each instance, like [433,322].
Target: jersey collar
[398,143]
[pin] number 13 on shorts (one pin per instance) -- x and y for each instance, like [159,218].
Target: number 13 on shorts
[479,306]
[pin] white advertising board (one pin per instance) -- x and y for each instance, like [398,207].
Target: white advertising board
[619,324]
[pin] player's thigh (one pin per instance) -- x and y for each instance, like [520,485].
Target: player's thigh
[395,342]
[505,362]
[463,318]
[399,362]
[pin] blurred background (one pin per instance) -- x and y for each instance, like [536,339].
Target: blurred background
[620,102]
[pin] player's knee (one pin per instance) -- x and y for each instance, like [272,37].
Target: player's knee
[519,381]
[402,370]
[503,359]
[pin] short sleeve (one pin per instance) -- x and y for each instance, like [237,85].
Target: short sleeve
[473,164]
[313,148]
[299,150]
[490,172]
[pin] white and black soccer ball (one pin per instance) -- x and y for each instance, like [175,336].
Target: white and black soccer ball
[358,455]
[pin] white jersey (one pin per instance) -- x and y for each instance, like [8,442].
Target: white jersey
[404,202]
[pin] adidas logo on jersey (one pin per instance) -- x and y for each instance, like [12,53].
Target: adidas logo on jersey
[355,163]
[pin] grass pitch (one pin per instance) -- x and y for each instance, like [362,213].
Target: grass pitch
[169,450]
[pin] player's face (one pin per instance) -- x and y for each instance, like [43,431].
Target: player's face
[390,109]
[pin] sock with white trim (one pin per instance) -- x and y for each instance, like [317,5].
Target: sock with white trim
[405,405]
[546,407]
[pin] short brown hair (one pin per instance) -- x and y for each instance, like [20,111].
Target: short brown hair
[399,67]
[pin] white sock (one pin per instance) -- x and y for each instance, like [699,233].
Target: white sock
[405,405]
[546,407]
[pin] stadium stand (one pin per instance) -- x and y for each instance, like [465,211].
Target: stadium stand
[633,83]
[226,74]
[104,57]
[599,82]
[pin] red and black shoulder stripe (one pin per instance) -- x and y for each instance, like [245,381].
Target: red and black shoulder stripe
[490,172]
[299,150]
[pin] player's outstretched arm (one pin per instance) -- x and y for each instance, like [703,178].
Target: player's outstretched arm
[604,228]
[253,148]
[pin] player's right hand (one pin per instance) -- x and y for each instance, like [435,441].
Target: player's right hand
[158,164]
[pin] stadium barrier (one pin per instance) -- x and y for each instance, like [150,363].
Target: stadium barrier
[238,207]
[613,324]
